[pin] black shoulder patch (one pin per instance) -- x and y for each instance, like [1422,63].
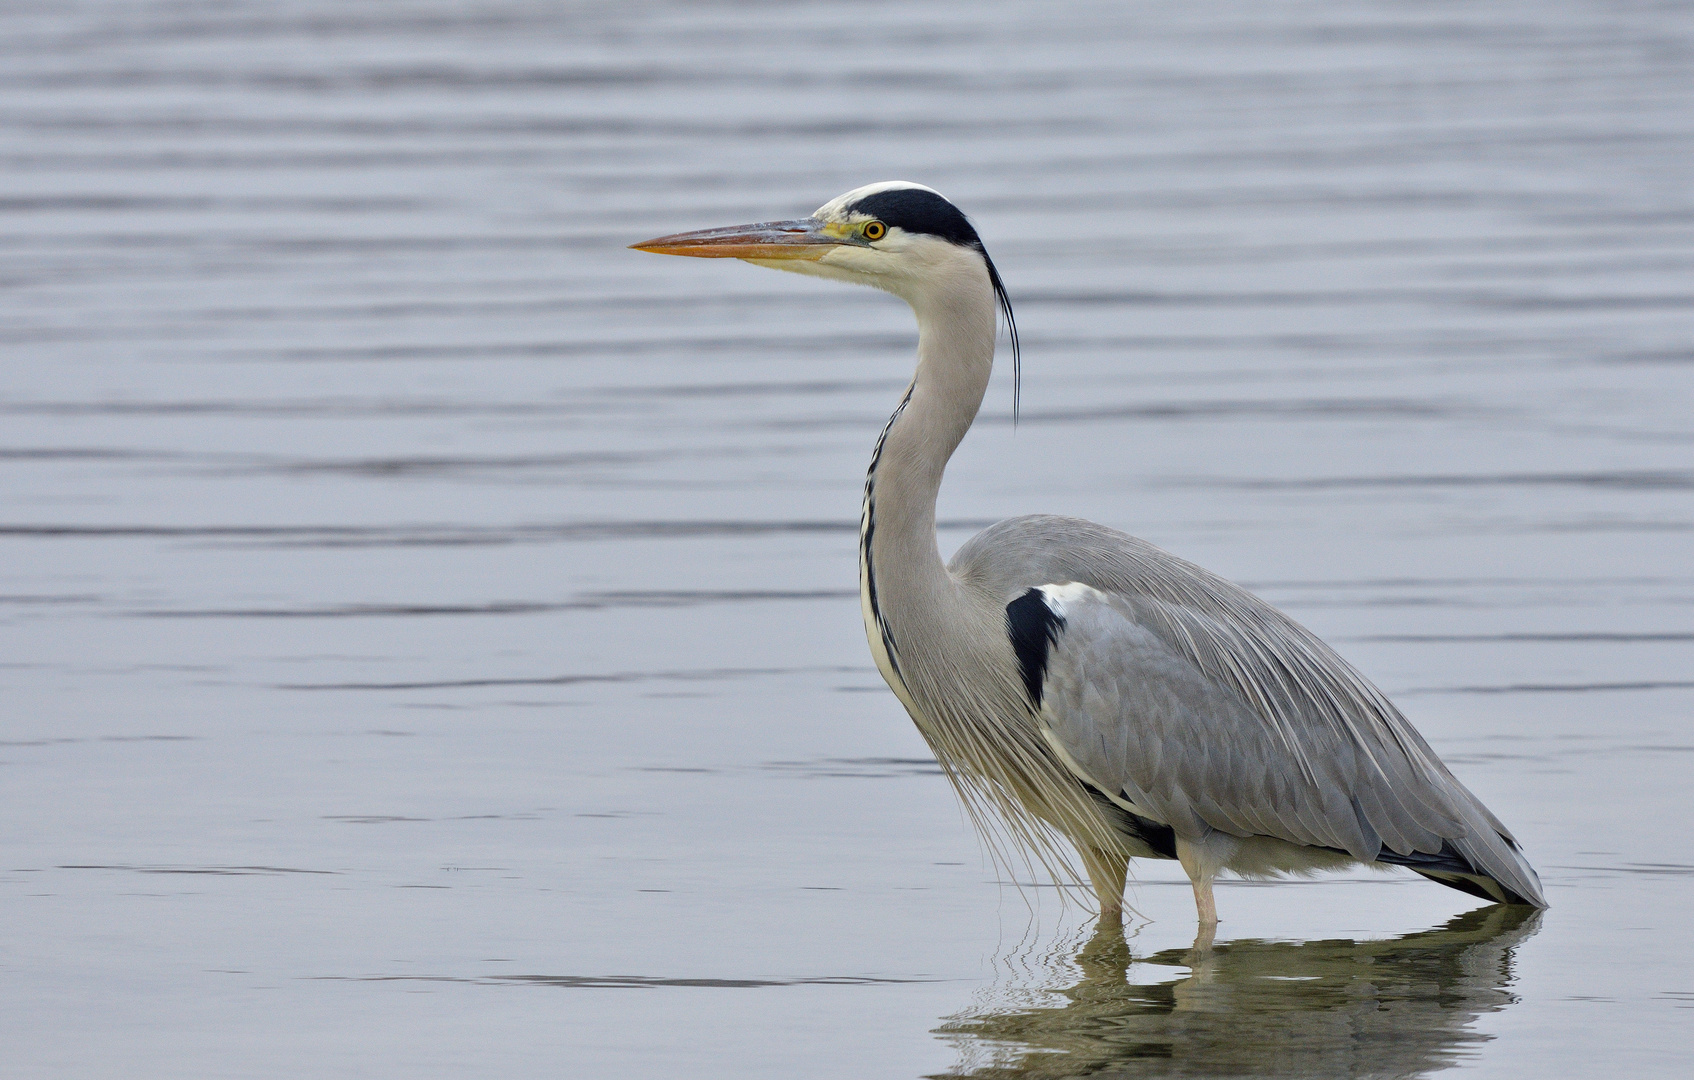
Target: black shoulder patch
[1033,628]
[919,211]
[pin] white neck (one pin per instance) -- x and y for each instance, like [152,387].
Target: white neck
[906,586]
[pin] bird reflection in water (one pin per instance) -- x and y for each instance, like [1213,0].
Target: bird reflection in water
[1395,1008]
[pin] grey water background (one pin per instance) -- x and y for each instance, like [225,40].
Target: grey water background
[428,633]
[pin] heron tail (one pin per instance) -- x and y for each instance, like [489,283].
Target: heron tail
[1485,863]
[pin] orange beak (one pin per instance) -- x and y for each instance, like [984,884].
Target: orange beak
[802,239]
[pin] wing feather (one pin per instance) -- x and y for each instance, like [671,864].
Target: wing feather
[1209,727]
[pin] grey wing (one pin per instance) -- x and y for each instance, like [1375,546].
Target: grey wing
[1201,722]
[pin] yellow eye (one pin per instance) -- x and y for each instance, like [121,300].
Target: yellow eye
[874,230]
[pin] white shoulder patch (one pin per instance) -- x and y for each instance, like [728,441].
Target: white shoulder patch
[1060,597]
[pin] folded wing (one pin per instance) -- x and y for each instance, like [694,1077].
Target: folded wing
[1230,717]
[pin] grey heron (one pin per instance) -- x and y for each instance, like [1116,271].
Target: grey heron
[1081,682]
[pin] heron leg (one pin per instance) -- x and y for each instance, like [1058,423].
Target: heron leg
[1106,871]
[1201,860]
[1205,904]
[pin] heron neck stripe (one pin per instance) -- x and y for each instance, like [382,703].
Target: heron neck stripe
[867,532]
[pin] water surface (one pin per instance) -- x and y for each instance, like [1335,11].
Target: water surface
[430,639]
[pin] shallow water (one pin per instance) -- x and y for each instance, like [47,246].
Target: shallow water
[430,638]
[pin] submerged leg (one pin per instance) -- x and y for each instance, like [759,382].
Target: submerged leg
[1203,938]
[1201,860]
[1107,871]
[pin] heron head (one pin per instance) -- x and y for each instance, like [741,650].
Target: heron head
[895,235]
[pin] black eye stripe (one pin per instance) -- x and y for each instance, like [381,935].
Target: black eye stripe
[918,211]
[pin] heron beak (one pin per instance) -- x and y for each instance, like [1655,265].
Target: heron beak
[807,238]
